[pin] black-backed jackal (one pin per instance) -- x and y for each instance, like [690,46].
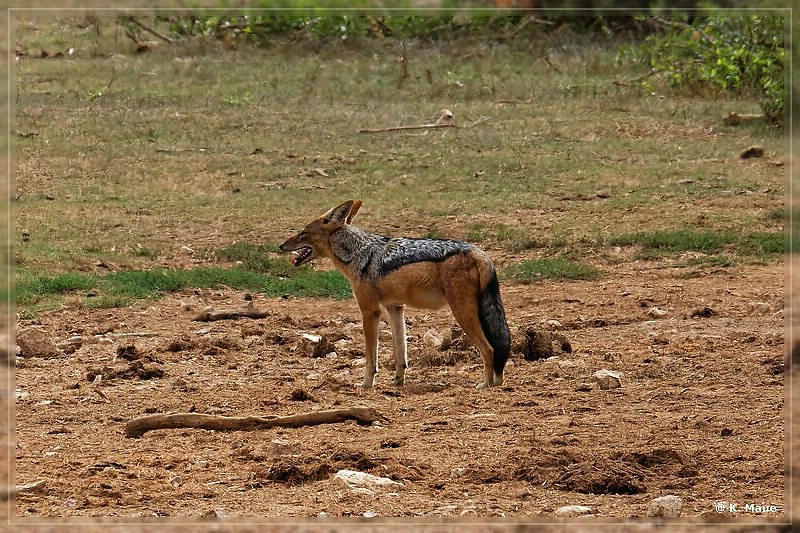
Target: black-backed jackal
[390,273]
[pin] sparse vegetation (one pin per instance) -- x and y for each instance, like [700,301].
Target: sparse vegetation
[728,53]
[551,156]
[553,269]
[121,288]
[660,243]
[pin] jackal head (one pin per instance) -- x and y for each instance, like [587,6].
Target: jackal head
[314,240]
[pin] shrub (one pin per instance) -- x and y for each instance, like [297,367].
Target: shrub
[744,54]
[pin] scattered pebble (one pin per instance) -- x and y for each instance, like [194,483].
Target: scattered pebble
[608,379]
[669,506]
[655,312]
[573,510]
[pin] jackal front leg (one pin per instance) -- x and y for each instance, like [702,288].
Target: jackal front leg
[398,323]
[371,320]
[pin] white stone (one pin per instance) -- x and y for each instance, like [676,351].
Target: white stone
[608,379]
[655,312]
[361,481]
[573,510]
[283,447]
[669,506]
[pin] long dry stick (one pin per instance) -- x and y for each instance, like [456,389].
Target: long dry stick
[400,128]
[139,426]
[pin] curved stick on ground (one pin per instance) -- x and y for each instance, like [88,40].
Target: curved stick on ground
[139,426]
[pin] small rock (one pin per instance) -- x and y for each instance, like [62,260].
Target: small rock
[705,312]
[283,447]
[655,312]
[35,486]
[608,379]
[315,345]
[665,506]
[71,344]
[432,338]
[342,377]
[760,308]
[573,510]
[370,514]
[36,342]
[360,481]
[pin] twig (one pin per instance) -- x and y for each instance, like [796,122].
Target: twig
[122,335]
[444,120]
[179,150]
[149,30]
[401,128]
[139,426]
[528,101]
[479,120]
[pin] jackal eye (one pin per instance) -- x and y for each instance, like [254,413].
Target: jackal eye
[326,220]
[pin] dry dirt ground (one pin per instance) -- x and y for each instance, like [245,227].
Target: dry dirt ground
[700,413]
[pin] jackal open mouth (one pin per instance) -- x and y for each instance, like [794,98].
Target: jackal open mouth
[303,254]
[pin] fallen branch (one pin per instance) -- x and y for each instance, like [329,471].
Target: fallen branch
[528,101]
[139,426]
[209,315]
[445,120]
[179,150]
[400,128]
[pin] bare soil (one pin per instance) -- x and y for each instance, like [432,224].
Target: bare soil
[699,414]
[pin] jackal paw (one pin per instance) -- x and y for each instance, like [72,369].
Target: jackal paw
[367,384]
[399,380]
[483,385]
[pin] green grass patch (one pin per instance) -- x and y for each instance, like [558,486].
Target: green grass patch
[658,243]
[29,291]
[546,268]
[121,288]
[675,241]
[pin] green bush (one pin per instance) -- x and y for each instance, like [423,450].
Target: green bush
[745,54]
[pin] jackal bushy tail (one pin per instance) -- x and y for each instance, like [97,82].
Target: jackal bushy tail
[493,322]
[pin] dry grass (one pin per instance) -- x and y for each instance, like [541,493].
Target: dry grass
[160,159]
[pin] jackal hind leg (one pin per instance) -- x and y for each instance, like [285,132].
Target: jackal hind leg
[464,305]
[371,320]
[398,323]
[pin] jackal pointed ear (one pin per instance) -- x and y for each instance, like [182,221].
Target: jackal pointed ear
[353,210]
[341,213]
